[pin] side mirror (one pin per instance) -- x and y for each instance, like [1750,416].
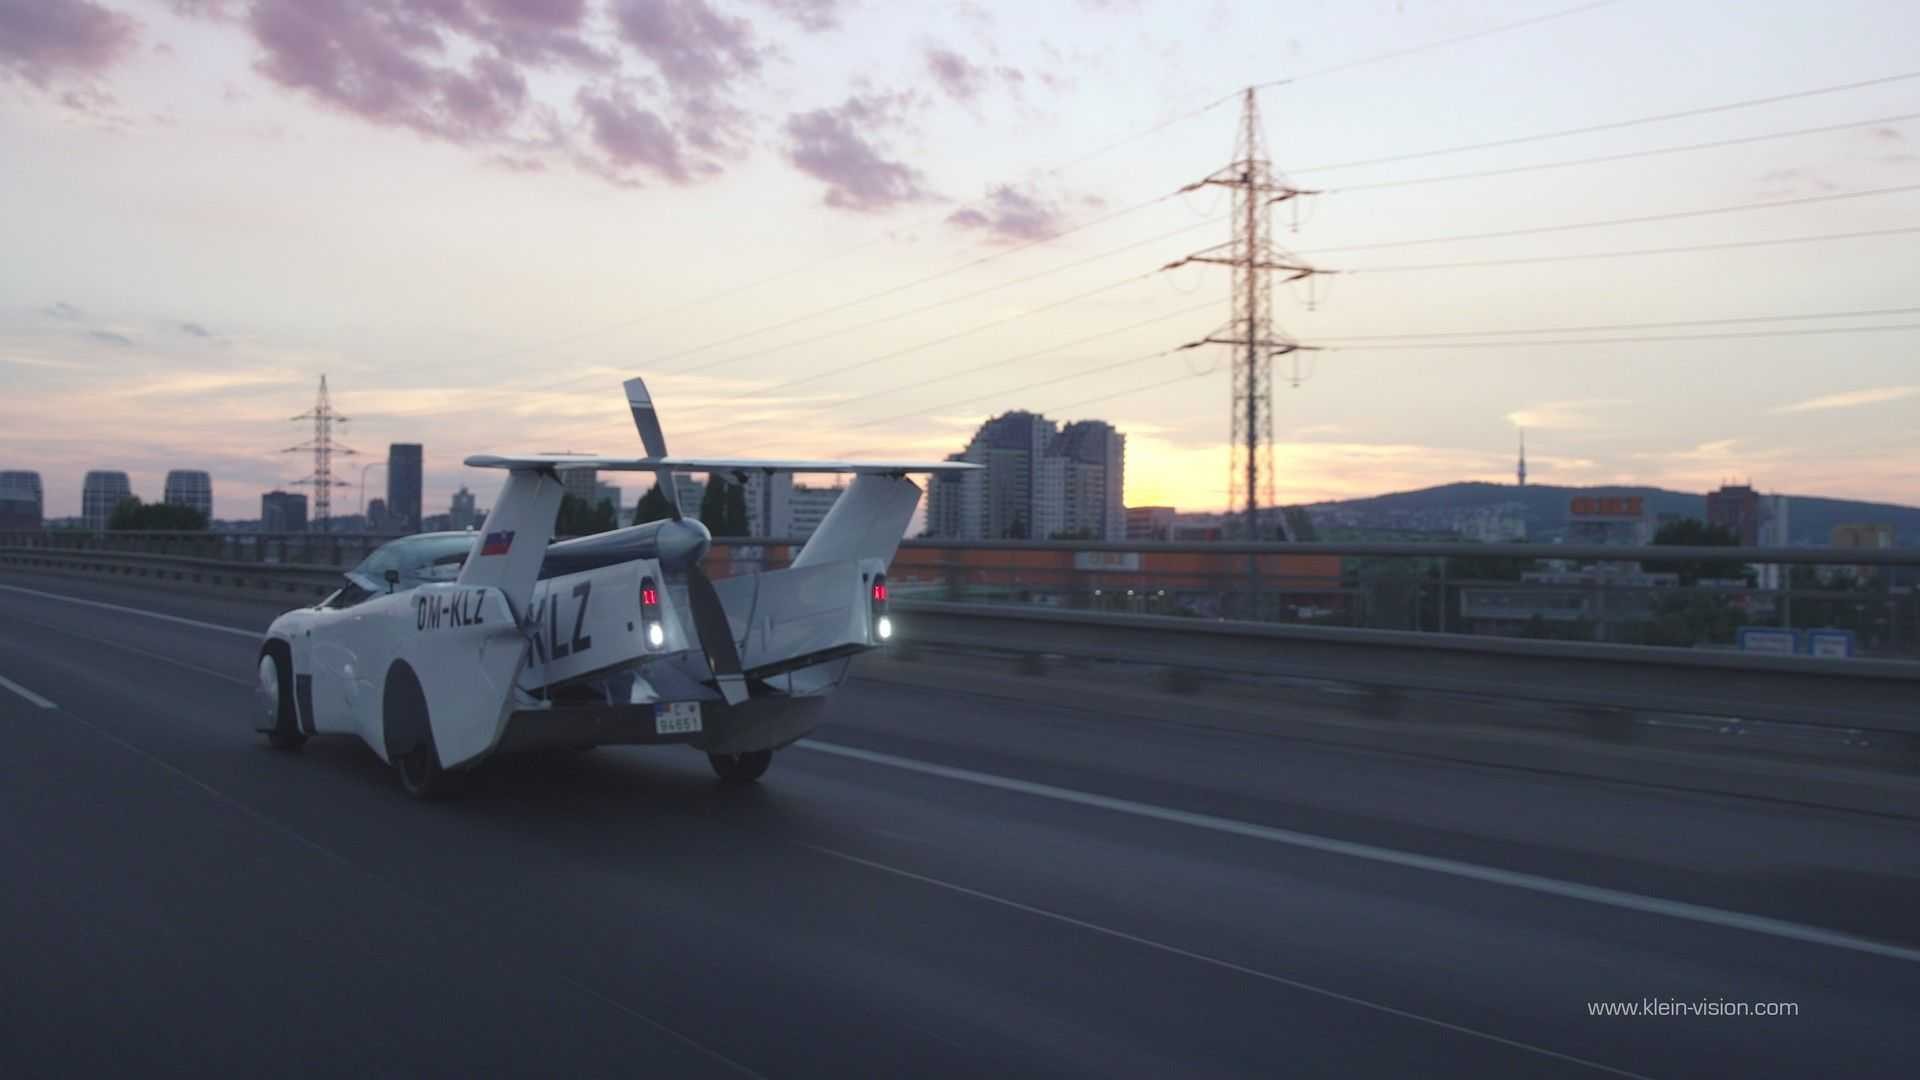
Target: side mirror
[393,579]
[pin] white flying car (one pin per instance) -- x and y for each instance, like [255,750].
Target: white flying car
[444,649]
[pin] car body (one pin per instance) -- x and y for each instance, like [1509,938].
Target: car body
[441,650]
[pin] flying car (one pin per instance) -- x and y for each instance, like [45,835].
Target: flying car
[442,650]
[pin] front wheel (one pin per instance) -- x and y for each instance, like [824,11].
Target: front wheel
[274,691]
[741,768]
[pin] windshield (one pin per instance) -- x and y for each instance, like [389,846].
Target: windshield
[419,559]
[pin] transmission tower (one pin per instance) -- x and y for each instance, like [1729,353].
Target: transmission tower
[1255,261]
[323,447]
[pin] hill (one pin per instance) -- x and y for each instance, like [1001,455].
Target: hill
[1544,507]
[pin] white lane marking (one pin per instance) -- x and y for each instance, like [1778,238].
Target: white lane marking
[123,647]
[254,634]
[1593,894]
[1227,965]
[26,693]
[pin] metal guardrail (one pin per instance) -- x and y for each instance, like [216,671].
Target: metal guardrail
[1872,695]
[1864,694]
[295,584]
[1864,600]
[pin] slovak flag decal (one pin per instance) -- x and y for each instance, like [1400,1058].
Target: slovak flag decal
[496,543]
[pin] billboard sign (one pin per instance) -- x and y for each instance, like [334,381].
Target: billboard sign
[1836,644]
[1769,640]
[1606,506]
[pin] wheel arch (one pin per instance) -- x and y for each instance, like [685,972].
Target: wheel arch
[405,717]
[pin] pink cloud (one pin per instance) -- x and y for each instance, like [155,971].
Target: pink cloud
[812,15]
[1009,215]
[697,49]
[42,40]
[631,136]
[843,148]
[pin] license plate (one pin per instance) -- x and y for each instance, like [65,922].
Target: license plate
[676,718]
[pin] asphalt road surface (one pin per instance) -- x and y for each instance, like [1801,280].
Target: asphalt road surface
[937,883]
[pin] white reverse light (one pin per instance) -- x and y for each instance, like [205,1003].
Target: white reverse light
[656,635]
[883,627]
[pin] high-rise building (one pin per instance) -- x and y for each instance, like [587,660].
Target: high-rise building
[1037,480]
[99,494]
[807,507]
[1736,508]
[608,493]
[22,500]
[461,514]
[377,515]
[283,512]
[580,483]
[943,503]
[769,504]
[1080,483]
[191,488]
[995,501]
[1775,531]
[691,491]
[403,487]
[1520,472]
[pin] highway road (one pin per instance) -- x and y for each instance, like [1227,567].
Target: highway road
[940,882]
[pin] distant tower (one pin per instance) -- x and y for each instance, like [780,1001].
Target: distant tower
[1255,260]
[1521,472]
[323,448]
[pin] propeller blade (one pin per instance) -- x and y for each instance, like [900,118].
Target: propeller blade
[647,421]
[716,636]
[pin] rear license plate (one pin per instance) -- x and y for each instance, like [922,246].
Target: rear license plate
[676,718]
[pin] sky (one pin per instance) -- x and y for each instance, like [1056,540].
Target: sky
[854,228]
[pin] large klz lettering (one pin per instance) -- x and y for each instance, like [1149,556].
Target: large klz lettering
[547,620]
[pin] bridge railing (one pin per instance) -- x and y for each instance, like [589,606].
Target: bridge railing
[1859,602]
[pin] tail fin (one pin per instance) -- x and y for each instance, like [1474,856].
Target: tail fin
[868,521]
[509,548]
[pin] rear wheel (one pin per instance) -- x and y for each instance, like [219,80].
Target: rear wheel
[420,772]
[275,694]
[410,737]
[741,768]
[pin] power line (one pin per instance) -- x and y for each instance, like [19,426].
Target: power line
[1599,327]
[916,282]
[586,376]
[924,308]
[1726,336]
[1673,215]
[1101,151]
[1615,125]
[968,373]
[1635,252]
[1625,156]
[956,335]
[1441,43]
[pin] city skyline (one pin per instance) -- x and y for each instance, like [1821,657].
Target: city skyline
[474,288]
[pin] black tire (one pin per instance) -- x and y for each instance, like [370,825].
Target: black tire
[410,737]
[285,734]
[741,768]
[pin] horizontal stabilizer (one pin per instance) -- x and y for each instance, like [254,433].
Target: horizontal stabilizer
[562,462]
